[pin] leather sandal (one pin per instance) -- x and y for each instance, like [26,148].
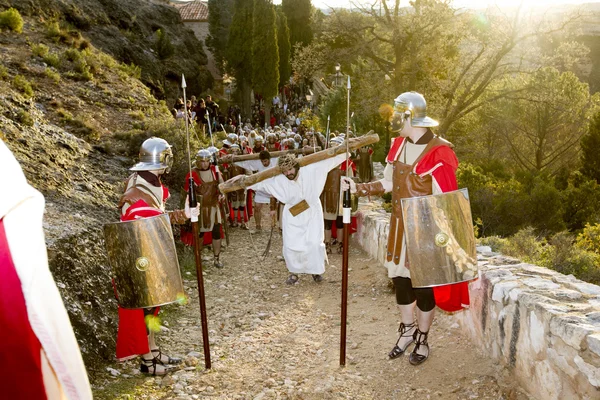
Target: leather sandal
[158,355]
[149,367]
[397,351]
[421,340]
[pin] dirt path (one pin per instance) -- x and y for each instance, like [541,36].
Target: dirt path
[273,341]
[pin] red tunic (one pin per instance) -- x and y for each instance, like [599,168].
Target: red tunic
[441,163]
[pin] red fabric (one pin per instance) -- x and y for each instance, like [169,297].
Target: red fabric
[353,228]
[352,165]
[20,352]
[442,163]
[249,205]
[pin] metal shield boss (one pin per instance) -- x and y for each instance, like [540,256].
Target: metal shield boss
[144,262]
[440,241]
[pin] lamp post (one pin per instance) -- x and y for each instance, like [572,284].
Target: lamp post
[309,97]
[338,74]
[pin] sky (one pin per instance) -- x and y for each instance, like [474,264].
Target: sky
[458,3]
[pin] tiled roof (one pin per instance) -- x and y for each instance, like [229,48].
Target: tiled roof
[193,11]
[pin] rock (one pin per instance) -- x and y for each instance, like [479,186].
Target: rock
[113,371]
[191,361]
[194,354]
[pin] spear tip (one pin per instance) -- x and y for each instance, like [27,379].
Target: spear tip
[183,84]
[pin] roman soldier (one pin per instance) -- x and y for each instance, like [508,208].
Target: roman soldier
[272,143]
[206,184]
[258,144]
[145,196]
[331,200]
[237,199]
[419,164]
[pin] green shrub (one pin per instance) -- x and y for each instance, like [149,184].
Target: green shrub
[138,114]
[589,239]
[561,255]
[3,73]
[64,115]
[132,70]
[525,245]
[22,84]
[54,75]
[11,20]
[53,30]
[52,60]
[23,117]
[73,55]
[497,243]
[40,50]
[107,60]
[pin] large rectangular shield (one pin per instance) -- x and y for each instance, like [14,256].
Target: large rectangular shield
[144,262]
[440,241]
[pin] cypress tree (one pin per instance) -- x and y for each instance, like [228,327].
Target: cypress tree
[265,53]
[298,13]
[239,49]
[283,42]
[220,13]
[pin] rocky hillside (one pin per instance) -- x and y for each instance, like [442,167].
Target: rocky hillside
[74,116]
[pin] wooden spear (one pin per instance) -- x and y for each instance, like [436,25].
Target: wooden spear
[249,180]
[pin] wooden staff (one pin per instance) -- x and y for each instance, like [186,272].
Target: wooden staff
[248,180]
[228,159]
[197,243]
[346,210]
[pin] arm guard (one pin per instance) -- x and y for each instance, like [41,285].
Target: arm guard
[369,189]
[177,217]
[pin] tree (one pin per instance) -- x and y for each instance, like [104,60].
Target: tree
[283,42]
[239,49]
[544,121]
[298,13]
[590,149]
[265,53]
[220,13]
[453,57]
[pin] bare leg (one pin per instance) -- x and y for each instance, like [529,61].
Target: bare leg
[407,318]
[425,319]
[258,216]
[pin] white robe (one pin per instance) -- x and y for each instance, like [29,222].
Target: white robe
[303,247]
[22,208]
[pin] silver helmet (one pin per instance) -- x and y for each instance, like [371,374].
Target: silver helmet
[233,138]
[212,150]
[203,155]
[155,154]
[258,139]
[413,105]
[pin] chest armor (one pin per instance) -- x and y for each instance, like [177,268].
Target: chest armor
[406,184]
[330,197]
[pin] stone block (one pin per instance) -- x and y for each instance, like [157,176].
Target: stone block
[571,329]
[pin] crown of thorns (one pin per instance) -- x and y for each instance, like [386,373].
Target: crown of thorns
[287,162]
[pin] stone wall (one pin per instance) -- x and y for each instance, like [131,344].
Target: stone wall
[544,326]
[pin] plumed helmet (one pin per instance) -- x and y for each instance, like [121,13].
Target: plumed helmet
[232,137]
[411,104]
[155,154]
[203,155]
[287,161]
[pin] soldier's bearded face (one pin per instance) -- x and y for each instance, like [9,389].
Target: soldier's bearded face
[291,173]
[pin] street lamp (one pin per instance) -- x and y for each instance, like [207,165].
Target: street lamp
[338,74]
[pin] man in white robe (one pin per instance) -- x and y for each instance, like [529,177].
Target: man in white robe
[300,190]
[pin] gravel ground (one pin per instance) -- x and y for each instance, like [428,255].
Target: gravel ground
[274,341]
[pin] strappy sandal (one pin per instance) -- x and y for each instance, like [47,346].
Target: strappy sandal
[157,353]
[397,351]
[340,247]
[421,340]
[328,248]
[149,367]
